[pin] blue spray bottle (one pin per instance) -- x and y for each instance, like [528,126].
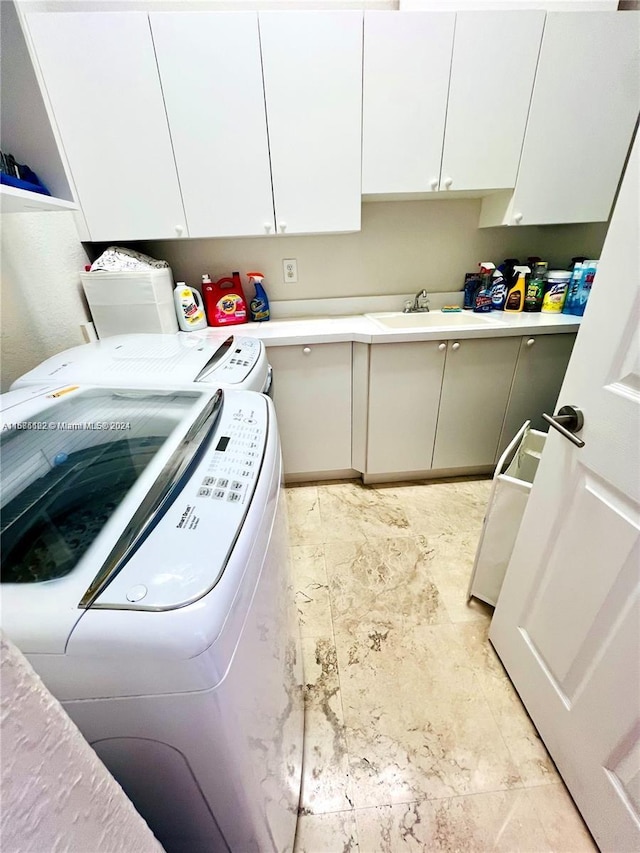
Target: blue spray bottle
[259,305]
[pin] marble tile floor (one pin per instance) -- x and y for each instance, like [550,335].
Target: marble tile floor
[415,739]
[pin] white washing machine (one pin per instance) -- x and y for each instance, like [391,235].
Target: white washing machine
[213,359]
[145,576]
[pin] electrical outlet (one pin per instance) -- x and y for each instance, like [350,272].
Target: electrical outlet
[290,270]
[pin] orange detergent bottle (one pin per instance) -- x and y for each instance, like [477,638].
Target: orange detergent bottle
[224,301]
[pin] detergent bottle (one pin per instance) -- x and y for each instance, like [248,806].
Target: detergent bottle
[224,300]
[189,308]
[259,305]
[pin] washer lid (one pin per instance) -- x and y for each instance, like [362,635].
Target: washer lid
[153,360]
[76,463]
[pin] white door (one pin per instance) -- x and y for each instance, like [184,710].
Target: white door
[567,624]
[102,80]
[312,65]
[407,57]
[211,76]
[489,100]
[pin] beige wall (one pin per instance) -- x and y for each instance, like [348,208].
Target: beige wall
[56,793]
[402,247]
[41,302]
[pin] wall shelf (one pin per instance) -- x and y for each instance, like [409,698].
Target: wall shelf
[14,200]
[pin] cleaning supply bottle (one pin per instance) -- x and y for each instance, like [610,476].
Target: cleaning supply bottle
[472,282]
[482,301]
[498,290]
[259,305]
[189,308]
[589,269]
[535,288]
[515,295]
[571,299]
[555,291]
[224,300]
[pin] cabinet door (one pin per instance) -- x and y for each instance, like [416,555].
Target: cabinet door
[583,111]
[312,64]
[407,57]
[475,390]
[102,80]
[542,363]
[211,76]
[492,74]
[404,393]
[312,396]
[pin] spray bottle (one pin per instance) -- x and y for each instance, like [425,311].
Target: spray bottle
[259,305]
[482,301]
[515,295]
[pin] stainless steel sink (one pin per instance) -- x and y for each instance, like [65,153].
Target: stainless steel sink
[428,320]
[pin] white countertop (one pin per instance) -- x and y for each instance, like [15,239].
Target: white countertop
[365,329]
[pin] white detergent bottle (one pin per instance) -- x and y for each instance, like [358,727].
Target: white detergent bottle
[189,308]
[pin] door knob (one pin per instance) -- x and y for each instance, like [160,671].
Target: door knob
[455,346]
[517,218]
[568,420]
[433,183]
[306,350]
[442,347]
[282,227]
[447,182]
[531,342]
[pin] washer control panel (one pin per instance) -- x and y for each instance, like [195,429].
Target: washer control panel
[187,550]
[239,360]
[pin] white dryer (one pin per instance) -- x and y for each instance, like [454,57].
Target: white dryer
[145,576]
[213,359]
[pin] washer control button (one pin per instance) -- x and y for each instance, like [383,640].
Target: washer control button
[136,592]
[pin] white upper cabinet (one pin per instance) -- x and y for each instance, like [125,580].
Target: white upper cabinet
[492,74]
[101,78]
[406,77]
[312,65]
[211,77]
[584,107]
[446,98]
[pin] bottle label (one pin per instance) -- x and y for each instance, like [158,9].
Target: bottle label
[259,310]
[499,294]
[514,300]
[190,311]
[554,297]
[230,308]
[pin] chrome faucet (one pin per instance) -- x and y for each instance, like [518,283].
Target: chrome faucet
[420,303]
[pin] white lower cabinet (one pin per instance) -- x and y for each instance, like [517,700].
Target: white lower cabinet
[404,393]
[475,390]
[542,363]
[312,396]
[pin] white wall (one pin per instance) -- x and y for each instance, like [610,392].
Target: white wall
[403,246]
[41,297]
[56,793]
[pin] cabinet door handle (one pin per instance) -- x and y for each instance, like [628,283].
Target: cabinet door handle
[517,218]
[531,342]
[282,227]
[433,183]
[447,182]
[179,230]
[306,350]
[568,420]
[442,347]
[455,346]
[267,227]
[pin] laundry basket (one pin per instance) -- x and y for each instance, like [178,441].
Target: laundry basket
[512,482]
